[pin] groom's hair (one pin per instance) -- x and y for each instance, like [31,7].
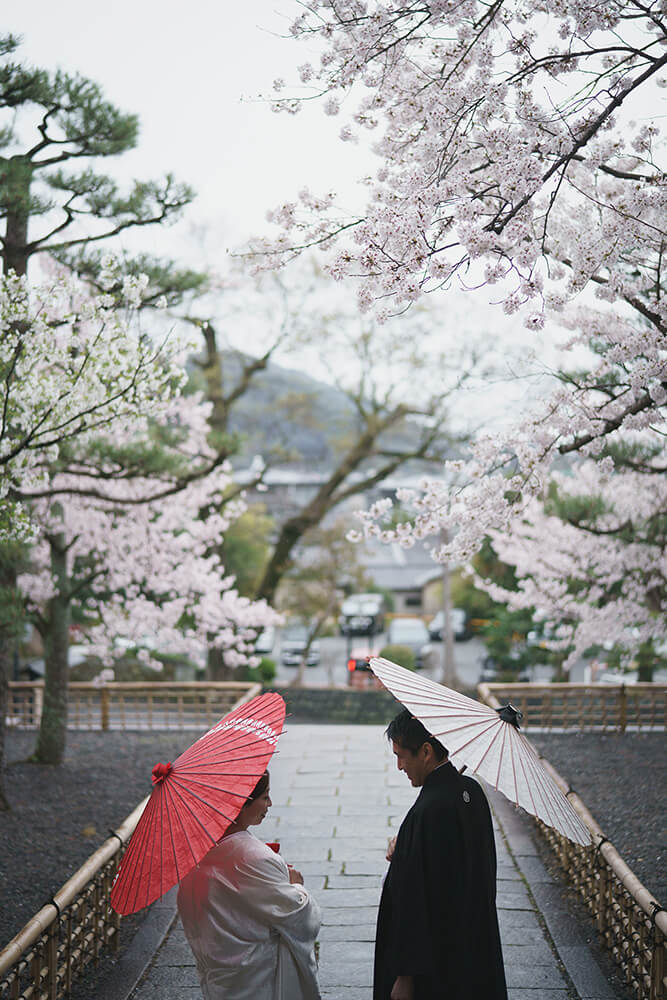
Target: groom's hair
[410,734]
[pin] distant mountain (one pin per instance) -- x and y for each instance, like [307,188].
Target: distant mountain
[299,419]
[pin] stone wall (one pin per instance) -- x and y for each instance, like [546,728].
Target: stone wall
[338,705]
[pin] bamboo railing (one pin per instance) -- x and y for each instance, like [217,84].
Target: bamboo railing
[611,707]
[138,705]
[56,945]
[629,919]
[73,929]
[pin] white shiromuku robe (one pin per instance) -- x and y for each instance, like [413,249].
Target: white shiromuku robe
[252,932]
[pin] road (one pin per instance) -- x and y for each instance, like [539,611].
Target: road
[332,669]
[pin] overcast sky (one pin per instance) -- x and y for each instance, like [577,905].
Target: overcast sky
[194,73]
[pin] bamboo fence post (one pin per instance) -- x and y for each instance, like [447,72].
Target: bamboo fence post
[38,704]
[622,708]
[658,983]
[603,894]
[36,972]
[104,707]
[52,960]
[68,953]
[96,921]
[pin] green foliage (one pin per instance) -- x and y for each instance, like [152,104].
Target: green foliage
[127,668]
[77,124]
[504,638]
[13,559]
[164,279]
[504,632]
[263,673]
[156,455]
[389,601]
[476,603]
[402,655]
[576,509]
[487,564]
[246,549]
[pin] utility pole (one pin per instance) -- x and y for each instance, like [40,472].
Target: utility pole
[448,664]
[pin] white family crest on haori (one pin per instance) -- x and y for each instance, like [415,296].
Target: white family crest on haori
[488,742]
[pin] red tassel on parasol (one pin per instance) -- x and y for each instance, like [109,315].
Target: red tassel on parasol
[195,799]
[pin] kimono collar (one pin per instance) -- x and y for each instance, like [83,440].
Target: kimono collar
[442,773]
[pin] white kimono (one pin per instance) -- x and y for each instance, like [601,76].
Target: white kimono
[251,931]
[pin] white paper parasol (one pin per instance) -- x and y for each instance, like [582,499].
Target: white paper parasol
[488,743]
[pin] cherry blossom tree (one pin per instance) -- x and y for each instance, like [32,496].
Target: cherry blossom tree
[136,568]
[596,563]
[70,366]
[107,456]
[517,152]
[504,133]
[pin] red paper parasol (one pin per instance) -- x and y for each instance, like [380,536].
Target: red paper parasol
[195,799]
[488,742]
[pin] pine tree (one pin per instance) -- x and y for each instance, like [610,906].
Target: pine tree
[56,127]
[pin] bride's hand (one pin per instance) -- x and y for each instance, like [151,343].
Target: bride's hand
[295,876]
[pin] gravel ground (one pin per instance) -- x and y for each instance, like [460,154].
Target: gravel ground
[622,778]
[60,815]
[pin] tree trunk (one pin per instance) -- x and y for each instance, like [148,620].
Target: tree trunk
[216,668]
[290,533]
[645,662]
[10,624]
[6,652]
[448,664]
[326,497]
[15,178]
[53,729]
[319,622]
[212,370]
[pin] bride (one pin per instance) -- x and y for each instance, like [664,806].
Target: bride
[248,918]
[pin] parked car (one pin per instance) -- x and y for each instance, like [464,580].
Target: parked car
[265,641]
[359,673]
[513,662]
[410,632]
[459,620]
[362,614]
[292,644]
[489,671]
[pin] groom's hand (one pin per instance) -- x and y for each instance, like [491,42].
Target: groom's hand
[403,988]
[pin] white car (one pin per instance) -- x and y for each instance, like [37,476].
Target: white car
[265,641]
[292,644]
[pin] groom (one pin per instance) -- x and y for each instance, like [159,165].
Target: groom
[437,932]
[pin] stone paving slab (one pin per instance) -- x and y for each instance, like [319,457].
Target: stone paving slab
[355,882]
[348,932]
[337,800]
[348,897]
[525,954]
